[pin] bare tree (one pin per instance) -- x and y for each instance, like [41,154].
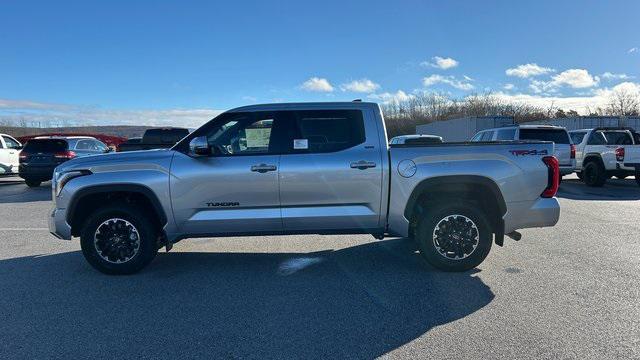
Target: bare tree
[623,103]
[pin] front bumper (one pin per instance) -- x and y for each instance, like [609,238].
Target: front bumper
[58,225]
[542,212]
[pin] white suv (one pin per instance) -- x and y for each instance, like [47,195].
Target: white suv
[9,154]
[564,150]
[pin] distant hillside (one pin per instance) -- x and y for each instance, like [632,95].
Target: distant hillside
[118,130]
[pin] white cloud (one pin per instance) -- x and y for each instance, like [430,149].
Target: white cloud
[386,97]
[361,86]
[509,86]
[582,104]
[50,115]
[449,80]
[317,84]
[575,78]
[610,76]
[528,70]
[633,50]
[441,63]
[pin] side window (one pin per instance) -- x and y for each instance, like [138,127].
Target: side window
[477,137]
[506,134]
[83,145]
[11,143]
[98,145]
[597,138]
[577,137]
[486,136]
[243,134]
[322,131]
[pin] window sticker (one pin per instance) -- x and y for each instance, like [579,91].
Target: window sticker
[300,144]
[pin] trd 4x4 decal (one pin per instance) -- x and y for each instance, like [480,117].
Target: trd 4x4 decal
[528,152]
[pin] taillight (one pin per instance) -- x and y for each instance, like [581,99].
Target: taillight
[620,154]
[573,151]
[65,155]
[553,179]
[23,156]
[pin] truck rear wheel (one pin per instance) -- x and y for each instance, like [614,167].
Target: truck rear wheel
[32,183]
[119,239]
[594,174]
[454,237]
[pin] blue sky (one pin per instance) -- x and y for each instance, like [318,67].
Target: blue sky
[160,61]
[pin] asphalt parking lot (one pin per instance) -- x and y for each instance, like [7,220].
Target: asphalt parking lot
[570,292]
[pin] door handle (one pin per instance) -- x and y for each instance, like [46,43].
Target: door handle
[263,168]
[363,164]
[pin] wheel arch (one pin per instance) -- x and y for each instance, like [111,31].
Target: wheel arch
[475,188]
[82,204]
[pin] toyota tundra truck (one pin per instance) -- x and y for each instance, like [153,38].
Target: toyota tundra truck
[307,168]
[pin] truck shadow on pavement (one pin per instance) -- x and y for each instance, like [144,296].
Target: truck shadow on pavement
[613,190]
[18,192]
[358,302]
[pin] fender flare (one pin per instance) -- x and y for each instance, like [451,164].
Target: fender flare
[110,188]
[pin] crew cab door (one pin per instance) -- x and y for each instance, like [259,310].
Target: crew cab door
[235,190]
[331,172]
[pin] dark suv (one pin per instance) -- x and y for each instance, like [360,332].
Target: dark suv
[41,155]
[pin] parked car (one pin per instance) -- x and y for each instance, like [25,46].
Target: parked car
[41,155]
[9,154]
[161,138]
[416,139]
[321,168]
[564,150]
[600,153]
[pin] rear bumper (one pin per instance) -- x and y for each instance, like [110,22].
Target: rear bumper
[36,172]
[58,225]
[526,214]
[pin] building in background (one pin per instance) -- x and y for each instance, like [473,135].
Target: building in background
[464,128]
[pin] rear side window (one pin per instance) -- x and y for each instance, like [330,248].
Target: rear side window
[476,137]
[327,130]
[618,138]
[597,138]
[558,136]
[506,134]
[45,146]
[577,137]
[486,136]
[11,143]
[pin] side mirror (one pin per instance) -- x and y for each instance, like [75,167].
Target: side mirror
[199,146]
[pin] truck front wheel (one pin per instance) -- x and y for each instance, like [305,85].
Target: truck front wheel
[454,237]
[119,239]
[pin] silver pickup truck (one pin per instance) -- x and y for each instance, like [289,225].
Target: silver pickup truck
[321,168]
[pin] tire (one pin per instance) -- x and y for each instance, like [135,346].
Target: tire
[460,215]
[580,175]
[98,232]
[32,183]
[594,174]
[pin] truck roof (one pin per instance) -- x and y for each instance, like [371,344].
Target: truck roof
[525,126]
[307,106]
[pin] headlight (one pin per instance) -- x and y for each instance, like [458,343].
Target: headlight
[60,179]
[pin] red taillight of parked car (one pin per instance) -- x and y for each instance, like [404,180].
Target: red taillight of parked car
[553,179]
[573,151]
[65,155]
[620,154]
[23,156]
